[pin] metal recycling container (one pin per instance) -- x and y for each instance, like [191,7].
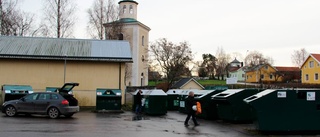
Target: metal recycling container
[231,107]
[216,87]
[286,110]
[155,102]
[108,99]
[184,94]
[12,92]
[173,99]
[208,108]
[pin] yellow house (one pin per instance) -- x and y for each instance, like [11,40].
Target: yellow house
[310,69]
[263,72]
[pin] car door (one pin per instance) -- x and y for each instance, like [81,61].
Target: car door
[42,103]
[26,104]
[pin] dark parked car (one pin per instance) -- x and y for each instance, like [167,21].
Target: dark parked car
[52,104]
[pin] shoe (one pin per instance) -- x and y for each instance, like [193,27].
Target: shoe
[186,125]
[197,124]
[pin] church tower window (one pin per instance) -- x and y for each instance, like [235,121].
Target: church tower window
[124,8]
[131,9]
[142,40]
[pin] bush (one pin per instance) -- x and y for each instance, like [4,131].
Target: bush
[127,107]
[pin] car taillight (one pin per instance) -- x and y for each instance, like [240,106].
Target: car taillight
[65,102]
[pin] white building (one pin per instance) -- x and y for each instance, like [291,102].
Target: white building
[138,36]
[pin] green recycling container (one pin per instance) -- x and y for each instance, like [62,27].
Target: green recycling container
[286,110]
[155,102]
[12,92]
[173,99]
[216,87]
[232,108]
[108,99]
[207,107]
[184,94]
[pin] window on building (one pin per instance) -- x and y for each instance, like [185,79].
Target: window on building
[266,67]
[131,9]
[311,64]
[316,76]
[142,40]
[142,58]
[262,76]
[307,77]
[243,75]
[271,76]
[124,8]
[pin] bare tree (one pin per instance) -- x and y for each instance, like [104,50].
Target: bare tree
[299,56]
[255,58]
[114,30]
[172,58]
[25,24]
[222,62]
[59,18]
[14,22]
[101,12]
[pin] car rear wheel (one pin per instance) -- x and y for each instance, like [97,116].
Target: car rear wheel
[10,111]
[53,112]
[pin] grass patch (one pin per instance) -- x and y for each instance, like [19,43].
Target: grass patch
[212,82]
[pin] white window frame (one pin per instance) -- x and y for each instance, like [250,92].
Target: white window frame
[311,64]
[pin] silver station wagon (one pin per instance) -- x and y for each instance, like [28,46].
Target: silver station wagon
[53,104]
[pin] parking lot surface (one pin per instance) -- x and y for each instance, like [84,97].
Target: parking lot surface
[127,124]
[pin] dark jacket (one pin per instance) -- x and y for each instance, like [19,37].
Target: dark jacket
[138,98]
[189,102]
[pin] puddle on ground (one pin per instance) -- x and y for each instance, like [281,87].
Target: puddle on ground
[136,118]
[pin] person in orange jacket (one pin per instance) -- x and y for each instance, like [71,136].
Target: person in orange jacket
[191,113]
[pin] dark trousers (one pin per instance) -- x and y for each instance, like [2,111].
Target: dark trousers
[193,115]
[138,108]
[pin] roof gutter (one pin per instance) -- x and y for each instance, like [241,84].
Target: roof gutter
[76,58]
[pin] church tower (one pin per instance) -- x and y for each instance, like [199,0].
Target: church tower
[138,36]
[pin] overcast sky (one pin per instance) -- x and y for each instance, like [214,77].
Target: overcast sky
[273,27]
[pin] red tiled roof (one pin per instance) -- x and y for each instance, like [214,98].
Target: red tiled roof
[233,69]
[288,68]
[316,56]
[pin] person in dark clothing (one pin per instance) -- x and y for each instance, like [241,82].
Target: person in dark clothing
[138,102]
[191,113]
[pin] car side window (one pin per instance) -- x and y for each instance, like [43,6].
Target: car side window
[31,97]
[44,97]
[54,96]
